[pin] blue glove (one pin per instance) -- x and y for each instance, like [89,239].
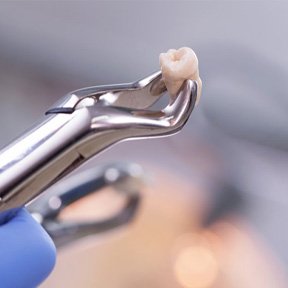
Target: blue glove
[27,254]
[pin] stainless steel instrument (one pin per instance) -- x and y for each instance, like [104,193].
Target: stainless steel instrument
[82,124]
[125,179]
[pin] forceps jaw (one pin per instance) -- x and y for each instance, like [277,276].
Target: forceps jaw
[110,125]
[138,95]
[149,122]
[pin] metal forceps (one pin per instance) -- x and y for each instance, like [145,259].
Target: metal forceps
[82,124]
[125,179]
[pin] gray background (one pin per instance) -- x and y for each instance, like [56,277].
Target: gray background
[239,131]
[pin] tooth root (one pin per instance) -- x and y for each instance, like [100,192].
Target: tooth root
[178,66]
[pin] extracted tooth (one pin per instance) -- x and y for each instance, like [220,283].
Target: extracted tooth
[178,66]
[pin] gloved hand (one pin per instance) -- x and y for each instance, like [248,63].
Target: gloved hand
[27,254]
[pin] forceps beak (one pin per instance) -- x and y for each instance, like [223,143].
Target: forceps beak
[140,94]
[144,94]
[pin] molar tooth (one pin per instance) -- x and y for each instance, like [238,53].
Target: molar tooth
[178,66]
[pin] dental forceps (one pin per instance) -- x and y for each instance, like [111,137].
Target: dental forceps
[82,124]
[126,179]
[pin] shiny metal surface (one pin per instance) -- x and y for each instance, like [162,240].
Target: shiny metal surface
[138,95]
[97,118]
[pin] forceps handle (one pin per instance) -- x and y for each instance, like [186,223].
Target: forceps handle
[40,157]
[127,180]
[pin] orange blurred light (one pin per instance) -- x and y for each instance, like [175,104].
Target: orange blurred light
[196,267]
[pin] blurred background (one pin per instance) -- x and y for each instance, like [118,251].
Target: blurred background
[215,208]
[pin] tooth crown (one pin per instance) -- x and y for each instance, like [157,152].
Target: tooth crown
[178,66]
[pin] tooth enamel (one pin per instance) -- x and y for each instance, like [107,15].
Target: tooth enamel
[178,66]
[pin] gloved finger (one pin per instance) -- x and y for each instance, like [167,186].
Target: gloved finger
[26,251]
[7,215]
